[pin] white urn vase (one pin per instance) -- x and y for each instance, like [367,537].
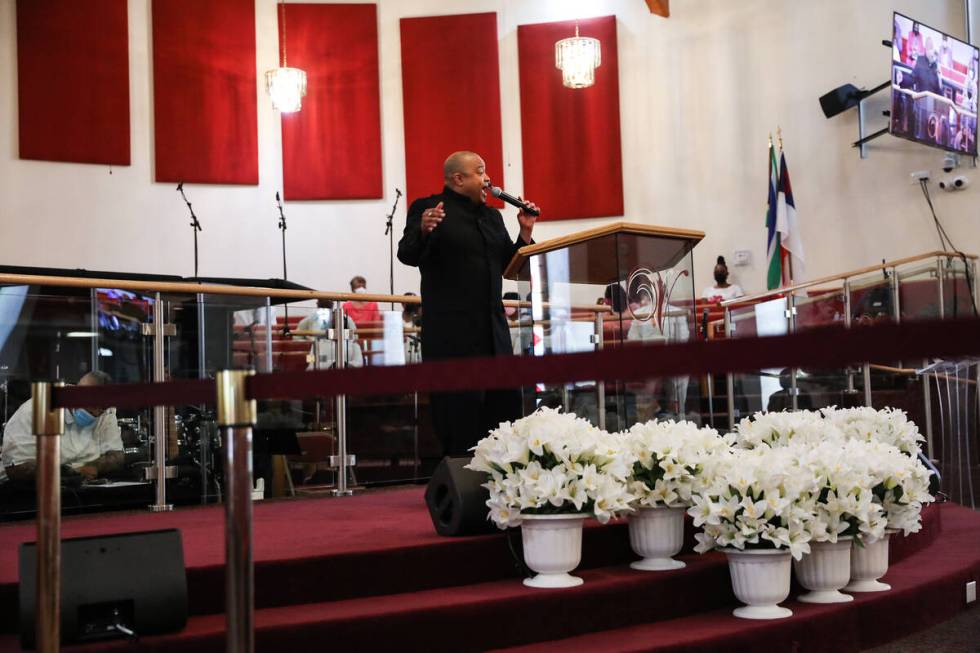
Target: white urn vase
[552,548]
[824,571]
[868,564]
[760,579]
[657,534]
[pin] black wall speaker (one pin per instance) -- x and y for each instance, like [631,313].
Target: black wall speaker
[456,502]
[839,100]
[135,581]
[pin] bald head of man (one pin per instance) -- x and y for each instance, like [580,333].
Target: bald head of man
[466,173]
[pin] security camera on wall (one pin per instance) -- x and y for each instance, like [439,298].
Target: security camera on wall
[958,182]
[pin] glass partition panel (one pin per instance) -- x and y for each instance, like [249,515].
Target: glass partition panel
[918,292]
[768,389]
[959,286]
[821,387]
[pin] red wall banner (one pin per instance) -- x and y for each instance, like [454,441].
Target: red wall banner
[331,148]
[570,137]
[204,91]
[451,96]
[73,81]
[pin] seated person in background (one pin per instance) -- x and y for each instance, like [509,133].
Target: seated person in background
[91,444]
[364,313]
[722,290]
[323,353]
[513,320]
[412,318]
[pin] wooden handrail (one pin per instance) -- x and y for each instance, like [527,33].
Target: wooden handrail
[842,276]
[185,287]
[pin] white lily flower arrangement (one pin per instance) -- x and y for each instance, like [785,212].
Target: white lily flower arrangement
[901,486]
[844,501]
[671,459]
[778,429]
[758,498]
[553,463]
[888,425]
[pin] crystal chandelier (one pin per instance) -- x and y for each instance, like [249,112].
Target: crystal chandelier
[577,57]
[286,86]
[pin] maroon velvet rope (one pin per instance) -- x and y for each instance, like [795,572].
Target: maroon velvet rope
[821,348]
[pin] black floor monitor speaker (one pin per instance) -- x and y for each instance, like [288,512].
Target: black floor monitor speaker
[110,585]
[456,502]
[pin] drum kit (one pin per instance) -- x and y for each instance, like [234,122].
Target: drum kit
[197,446]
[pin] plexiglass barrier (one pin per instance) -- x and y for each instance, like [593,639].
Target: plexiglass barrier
[136,337]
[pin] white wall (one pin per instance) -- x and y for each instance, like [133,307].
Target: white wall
[699,94]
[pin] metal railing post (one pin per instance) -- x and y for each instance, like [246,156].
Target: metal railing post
[793,371]
[600,385]
[847,325]
[48,425]
[341,463]
[236,416]
[867,384]
[159,412]
[939,285]
[729,377]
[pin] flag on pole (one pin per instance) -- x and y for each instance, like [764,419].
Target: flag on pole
[774,274]
[790,238]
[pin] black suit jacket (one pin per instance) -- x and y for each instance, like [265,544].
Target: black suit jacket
[462,262]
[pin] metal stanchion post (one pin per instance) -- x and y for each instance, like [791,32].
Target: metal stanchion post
[600,385]
[49,424]
[342,461]
[236,417]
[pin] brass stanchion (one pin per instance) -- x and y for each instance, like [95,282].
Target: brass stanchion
[236,417]
[49,424]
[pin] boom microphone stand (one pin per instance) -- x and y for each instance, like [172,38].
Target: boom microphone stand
[390,232]
[282,227]
[195,225]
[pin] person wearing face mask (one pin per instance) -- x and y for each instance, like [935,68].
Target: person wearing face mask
[91,444]
[722,290]
[364,313]
[323,354]
[462,247]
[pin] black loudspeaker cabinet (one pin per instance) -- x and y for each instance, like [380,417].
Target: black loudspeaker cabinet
[457,503]
[136,580]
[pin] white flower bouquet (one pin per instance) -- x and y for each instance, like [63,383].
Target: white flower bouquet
[778,429]
[553,463]
[844,501]
[758,498]
[900,485]
[889,426]
[670,459]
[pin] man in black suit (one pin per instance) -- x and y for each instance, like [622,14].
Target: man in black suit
[462,248]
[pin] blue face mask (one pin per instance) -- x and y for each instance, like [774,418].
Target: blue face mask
[82,417]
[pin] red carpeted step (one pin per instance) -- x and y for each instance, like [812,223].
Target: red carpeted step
[617,609]
[317,550]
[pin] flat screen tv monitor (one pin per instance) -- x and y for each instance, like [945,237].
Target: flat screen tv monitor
[934,87]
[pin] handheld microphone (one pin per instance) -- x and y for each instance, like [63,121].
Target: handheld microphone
[277,197]
[398,193]
[500,193]
[180,186]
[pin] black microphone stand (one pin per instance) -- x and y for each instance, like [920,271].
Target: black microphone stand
[390,232]
[282,226]
[195,225]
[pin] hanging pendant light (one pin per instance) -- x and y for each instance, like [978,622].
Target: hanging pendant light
[286,86]
[577,57]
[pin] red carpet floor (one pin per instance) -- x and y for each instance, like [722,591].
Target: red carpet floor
[368,573]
